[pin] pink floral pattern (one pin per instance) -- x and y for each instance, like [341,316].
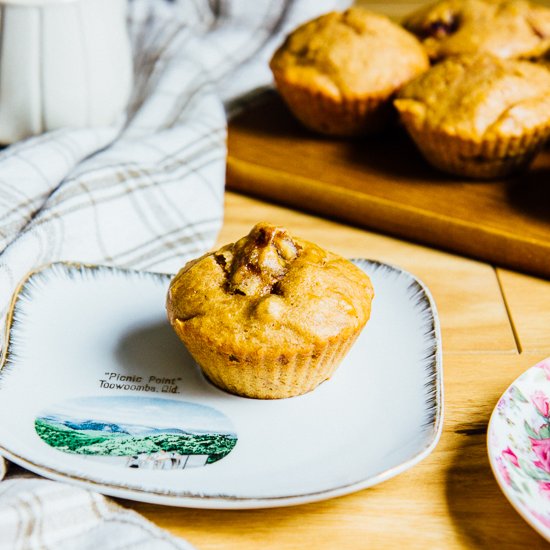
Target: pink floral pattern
[519,445]
[545,366]
[544,488]
[545,520]
[503,471]
[541,402]
[511,456]
[541,448]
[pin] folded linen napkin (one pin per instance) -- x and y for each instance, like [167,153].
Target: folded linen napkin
[38,513]
[146,193]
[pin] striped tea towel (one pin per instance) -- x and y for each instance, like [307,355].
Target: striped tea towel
[38,513]
[146,193]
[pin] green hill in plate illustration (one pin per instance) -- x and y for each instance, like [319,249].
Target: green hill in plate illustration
[70,440]
[117,429]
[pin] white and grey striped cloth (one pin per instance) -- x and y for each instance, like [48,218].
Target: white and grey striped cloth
[146,194]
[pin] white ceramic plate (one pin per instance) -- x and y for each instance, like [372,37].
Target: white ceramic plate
[97,390]
[518,442]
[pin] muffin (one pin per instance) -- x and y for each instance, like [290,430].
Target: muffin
[270,316]
[339,72]
[503,28]
[479,117]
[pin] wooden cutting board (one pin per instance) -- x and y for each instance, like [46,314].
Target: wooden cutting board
[383,183]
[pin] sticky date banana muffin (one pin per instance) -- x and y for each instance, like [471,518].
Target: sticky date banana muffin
[339,72]
[480,116]
[503,28]
[271,315]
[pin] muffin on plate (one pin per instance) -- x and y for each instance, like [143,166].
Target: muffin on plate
[480,117]
[503,28]
[338,73]
[270,316]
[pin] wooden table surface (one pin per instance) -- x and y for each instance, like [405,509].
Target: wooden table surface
[495,324]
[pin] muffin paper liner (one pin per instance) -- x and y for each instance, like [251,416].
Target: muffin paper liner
[337,117]
[489,158]
[267,373]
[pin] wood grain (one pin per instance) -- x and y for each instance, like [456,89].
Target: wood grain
[399,8]
[383,183]
[450,500]
[468,296]
[528,301]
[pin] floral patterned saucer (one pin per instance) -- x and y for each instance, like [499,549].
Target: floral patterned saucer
[518,441]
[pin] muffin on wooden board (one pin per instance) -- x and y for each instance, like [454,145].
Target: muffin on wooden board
[270,316]
[503,28]
[480,117]
[339,72]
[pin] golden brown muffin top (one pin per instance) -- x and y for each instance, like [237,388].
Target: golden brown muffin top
[271,289]
[350,54]
[478,97]
[504,28]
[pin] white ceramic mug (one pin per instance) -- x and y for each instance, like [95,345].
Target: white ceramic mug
[62,63]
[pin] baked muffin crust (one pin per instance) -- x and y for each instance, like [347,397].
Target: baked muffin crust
[479,97]
[504,28]
[269,289]
[349,54]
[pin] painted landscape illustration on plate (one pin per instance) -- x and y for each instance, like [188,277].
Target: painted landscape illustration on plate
[138,432]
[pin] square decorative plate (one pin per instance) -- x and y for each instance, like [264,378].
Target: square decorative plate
[97,390]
